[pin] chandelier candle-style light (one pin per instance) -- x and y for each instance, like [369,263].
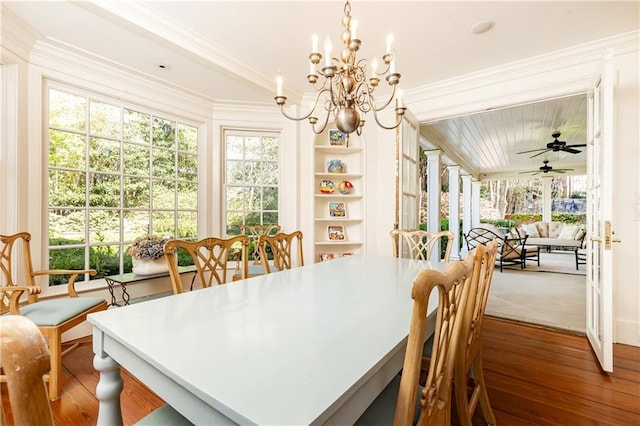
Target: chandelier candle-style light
[346,92]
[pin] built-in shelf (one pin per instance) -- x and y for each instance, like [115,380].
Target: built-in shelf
[352,226]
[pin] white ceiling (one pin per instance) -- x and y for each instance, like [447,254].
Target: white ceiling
[232,50]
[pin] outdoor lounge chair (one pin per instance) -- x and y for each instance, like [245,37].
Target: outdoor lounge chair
[511,251]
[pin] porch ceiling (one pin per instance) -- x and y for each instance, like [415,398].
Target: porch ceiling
[487,143]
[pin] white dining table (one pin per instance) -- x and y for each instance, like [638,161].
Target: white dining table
[310,345]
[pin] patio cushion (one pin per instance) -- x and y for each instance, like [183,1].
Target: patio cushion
[554,229]
[531,230]
[543,229]
[569,232]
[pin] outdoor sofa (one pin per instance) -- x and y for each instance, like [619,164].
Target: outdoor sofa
[553,235]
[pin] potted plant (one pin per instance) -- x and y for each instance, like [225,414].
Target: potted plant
[147,255]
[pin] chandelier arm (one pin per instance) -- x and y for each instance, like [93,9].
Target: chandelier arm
[324,125]
[398,120]
[313,108]
[393,95]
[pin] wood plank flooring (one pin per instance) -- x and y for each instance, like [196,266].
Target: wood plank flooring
[535,376]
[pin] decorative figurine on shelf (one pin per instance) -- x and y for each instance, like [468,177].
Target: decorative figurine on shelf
[345,187]
[336,166]
[326,187]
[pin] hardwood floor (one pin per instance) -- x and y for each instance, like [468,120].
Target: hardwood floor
[535,376]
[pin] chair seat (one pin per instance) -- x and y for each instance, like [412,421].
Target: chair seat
[382,409]
[251,271]
[49,313]
[163,416]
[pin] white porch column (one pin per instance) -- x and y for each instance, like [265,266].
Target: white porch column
[546,198]
[454,209]
[475,202]
[433,193]
[466,210]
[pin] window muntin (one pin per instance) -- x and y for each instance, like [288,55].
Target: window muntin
[251,179]
[116,172]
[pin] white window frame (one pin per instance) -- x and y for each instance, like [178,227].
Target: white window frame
[249,132]
[132,105]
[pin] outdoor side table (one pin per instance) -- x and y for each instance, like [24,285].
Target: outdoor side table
[129,278]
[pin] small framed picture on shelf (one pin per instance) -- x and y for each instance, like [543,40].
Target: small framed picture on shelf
[336,232]
[337,209]
[326,256]
[337,138]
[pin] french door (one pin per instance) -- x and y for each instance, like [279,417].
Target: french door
[407,185]
[599,285]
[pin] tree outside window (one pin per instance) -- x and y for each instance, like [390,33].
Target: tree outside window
[252,179]
[115,173]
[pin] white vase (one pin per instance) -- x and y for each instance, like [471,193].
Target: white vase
[149,266]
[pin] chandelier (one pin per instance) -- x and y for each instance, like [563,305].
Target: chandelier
[345,92]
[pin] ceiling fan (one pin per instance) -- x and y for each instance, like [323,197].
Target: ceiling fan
[556,146]
[546,168]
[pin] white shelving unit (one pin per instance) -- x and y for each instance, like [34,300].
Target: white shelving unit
[352,155]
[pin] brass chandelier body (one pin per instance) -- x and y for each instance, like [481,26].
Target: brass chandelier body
[345,91]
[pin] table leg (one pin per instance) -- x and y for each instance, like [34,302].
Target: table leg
[108,390]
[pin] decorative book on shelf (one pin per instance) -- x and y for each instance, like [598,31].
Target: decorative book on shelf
[337,209]
[336,233]
[337,138]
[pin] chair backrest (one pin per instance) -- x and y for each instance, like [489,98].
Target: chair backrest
[453,292]
[9,247]
[210,256]
[254,232]
[281,247]
[507,247]
[484,265]
[25,360]
[467,357]
[420,244]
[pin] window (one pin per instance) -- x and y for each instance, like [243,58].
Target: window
[252,176]
[116,172]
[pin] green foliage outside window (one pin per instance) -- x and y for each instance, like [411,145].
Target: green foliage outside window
[252,179]
[125,174]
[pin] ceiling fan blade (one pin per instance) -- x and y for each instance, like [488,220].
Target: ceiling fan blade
[563,170]
[580,145]
[570,150]
[528,171]
[540,153]
[532,150]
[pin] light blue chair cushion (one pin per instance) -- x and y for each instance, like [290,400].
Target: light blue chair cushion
[56,311]
[252,270]
[382,409]
[164,416]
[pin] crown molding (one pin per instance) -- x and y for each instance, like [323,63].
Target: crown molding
[16,37]
[578,63]
[62,62]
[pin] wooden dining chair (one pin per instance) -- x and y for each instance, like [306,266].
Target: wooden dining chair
[468,370]
[431,404]
[255,268]
[420,244]
[281,248]
[52,316]
[210,256]
[25,360]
